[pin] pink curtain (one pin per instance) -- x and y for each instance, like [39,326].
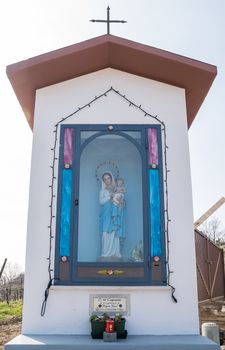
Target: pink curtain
[68,144]
[152,146]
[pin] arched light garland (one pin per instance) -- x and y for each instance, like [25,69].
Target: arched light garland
[52,193]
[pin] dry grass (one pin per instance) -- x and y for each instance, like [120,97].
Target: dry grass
[11,310]
[9,330]
[213,311]
[10,321]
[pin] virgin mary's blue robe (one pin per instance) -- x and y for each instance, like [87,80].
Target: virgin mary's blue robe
[112,219]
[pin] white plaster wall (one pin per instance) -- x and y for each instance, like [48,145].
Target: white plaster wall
[152,309]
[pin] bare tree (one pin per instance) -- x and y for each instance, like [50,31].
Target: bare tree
[11,283]
[214,230]
[10,273]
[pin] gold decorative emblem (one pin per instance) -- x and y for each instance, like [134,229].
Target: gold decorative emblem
[110,272]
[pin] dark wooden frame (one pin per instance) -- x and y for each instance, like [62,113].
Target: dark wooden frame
[147,272]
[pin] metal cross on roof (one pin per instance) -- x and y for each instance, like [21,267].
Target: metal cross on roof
[108,20]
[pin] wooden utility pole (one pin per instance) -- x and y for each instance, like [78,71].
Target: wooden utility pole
[3,266]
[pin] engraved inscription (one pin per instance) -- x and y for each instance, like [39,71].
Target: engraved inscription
[110,304]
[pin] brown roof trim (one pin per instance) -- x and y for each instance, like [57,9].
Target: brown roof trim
[110,51]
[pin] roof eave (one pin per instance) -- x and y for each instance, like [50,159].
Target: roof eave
[110,51]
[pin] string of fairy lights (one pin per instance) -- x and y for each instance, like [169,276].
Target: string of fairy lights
[53,182]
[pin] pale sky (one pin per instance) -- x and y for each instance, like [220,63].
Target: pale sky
[191,28]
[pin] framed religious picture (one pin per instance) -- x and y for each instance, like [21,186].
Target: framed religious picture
[110,206]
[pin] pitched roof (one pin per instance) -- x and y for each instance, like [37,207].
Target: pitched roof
[110,51]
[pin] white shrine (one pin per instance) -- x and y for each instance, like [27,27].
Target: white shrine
[110,209]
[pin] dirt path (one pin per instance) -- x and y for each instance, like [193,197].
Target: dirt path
[214,311]
[8,330]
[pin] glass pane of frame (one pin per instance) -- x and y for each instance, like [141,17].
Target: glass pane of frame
[110,201]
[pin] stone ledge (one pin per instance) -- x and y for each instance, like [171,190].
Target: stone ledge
[112,289]
[133,342]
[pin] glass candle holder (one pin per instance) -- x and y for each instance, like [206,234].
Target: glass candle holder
[109,326]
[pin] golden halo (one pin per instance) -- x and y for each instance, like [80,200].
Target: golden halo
[106,166]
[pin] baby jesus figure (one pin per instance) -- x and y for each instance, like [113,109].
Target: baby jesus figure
[118,193]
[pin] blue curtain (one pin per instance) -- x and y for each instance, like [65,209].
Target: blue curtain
[65,212]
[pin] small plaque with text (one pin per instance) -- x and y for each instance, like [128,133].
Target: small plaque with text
[110,304]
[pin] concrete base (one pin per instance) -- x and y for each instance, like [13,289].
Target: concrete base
[109,337]
[85,342]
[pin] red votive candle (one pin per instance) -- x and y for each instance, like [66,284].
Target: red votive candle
[109,326]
